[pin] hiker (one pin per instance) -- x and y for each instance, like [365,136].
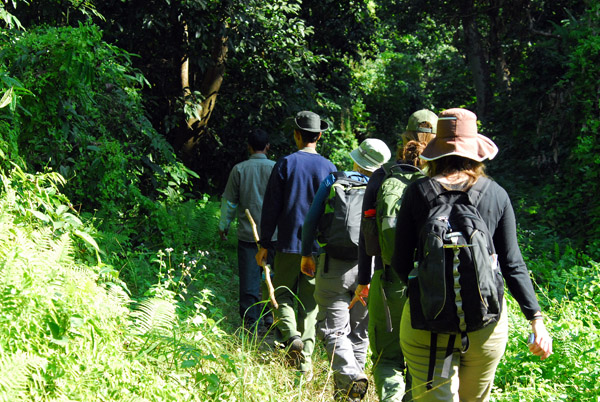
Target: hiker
[385,290]
[245,189]
[463,363]
[335,214]
[290,191]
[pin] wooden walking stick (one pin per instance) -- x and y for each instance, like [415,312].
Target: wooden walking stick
[266,267]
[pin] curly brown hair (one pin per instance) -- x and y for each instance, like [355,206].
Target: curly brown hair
[411,152]
[410,136]
[417,135]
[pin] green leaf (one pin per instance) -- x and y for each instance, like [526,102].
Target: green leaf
[6,98]
[188,363]
[41,216]
[87,238]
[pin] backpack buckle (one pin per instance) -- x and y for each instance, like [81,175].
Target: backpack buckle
[453,237]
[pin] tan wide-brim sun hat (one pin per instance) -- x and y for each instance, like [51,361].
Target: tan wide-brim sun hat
[371,154]
[457,135]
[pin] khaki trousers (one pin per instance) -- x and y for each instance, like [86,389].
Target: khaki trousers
[471,374]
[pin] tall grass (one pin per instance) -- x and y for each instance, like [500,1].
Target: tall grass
[568,288]
[70,330]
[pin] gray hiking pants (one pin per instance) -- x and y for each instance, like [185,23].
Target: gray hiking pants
[343,331]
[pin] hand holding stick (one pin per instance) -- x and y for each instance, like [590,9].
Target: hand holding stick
[265,266]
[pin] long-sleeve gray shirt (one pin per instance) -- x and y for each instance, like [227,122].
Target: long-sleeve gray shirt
[245,189]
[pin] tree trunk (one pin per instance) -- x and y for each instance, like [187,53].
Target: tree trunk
[196,125]
[497,31]
[477,59]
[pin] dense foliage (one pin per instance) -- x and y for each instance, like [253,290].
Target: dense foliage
[113,141]
[81,116]
[70,331]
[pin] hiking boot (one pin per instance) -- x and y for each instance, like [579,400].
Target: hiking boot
[355,393]
[293,349]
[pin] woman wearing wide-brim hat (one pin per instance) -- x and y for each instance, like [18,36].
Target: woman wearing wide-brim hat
[455,159]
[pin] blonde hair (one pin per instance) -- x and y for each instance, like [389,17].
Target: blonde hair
[417,136]
[361,170]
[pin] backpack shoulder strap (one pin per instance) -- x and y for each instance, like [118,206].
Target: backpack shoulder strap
[409,168]
[477,190]
[339,174]
[387,168]
[428,190]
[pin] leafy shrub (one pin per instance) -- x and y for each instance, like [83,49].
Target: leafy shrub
[68,329]
[578,213]
[558,150]
[84,119]
[11,90]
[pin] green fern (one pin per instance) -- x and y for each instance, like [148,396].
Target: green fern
[154,316]
[15,372]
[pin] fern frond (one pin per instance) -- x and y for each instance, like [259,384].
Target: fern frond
[61,250]
[117,293]
[154,315]
[15,371]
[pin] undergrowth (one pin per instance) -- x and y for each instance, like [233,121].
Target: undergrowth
[71,330]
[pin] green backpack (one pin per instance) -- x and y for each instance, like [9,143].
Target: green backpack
[389,198]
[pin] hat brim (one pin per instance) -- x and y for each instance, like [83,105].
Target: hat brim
[324,126]
[479,150]
[363,162]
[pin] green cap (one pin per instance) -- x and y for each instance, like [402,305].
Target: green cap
[419,117]
[371,154]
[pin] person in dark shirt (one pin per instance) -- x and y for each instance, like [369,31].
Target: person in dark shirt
[386,292]
[455,159]
[292,186]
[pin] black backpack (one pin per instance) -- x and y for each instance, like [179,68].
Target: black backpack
[339,227]
[457,286]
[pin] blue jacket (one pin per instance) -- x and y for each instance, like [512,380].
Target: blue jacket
[292,186]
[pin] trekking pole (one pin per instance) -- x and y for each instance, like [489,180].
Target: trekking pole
[266,267]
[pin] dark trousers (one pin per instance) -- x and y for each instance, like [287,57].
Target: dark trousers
[250,275]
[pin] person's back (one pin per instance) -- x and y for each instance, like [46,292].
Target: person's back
[248,186]
[343,330]
[445,366]
[245,189]
[290,191]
